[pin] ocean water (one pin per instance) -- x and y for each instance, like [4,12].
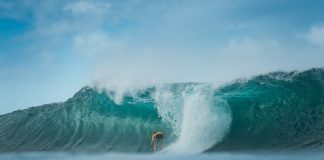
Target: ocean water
[119,156]
[270,116]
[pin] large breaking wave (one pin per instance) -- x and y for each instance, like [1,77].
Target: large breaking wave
[268,112]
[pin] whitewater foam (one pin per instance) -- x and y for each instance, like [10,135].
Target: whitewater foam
[198,118]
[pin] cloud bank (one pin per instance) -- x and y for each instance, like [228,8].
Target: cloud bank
[316,35]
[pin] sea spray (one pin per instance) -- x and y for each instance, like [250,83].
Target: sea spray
[204,120]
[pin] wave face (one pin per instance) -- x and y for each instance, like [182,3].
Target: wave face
[276,111]
[268,112]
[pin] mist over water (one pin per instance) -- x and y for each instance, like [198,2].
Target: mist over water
[200,121]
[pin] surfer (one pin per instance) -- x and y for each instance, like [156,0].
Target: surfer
[157,141]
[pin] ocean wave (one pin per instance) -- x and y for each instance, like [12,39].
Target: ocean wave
[275,111]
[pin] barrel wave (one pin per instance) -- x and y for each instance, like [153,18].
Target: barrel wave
[275,111]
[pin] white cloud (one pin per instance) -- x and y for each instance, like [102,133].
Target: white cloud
[95,43]
[82,7]
[55,29]
[316,35]
[246,57]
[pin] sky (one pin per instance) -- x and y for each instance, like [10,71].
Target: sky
[51,49]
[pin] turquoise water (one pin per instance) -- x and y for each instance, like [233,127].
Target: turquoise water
[219,156]
[280,111]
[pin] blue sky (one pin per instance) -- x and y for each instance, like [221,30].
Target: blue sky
[50,49]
